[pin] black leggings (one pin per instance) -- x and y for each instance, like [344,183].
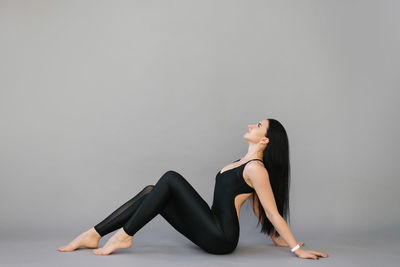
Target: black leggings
[180,204]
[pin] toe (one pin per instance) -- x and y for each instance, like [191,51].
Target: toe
[63,248]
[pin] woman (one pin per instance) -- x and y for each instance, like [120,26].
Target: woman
[262,176]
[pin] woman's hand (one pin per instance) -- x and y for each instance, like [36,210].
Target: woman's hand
[280,242]
[309,254]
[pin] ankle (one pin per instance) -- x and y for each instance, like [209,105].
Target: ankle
[124,235]
[94,233]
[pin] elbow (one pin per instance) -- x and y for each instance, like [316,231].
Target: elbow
[273,217]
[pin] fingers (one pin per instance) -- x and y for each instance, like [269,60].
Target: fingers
[312,254]
[319,254]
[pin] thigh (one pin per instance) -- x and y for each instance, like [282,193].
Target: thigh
[190,214]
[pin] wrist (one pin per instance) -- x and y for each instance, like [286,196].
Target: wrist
[297,252]
[295,248]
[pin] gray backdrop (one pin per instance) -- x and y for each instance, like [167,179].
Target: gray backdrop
[100,98]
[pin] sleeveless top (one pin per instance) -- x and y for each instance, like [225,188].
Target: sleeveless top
[228,185]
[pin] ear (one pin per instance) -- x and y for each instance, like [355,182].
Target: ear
[265,141]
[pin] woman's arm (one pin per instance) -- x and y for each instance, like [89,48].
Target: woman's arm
[278,241]
[255,207]
[259,178]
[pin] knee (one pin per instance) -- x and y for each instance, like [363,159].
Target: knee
[170,175]
[148,188]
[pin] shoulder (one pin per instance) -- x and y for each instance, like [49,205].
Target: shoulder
[255,170]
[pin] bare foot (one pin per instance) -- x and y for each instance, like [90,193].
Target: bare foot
[89,239]
[119,240]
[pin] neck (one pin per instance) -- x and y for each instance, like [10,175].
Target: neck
[255,151]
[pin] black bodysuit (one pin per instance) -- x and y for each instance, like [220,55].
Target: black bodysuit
[215,230]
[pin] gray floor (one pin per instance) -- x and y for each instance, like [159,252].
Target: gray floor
[153,246]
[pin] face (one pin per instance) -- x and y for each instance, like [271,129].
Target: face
[256,132]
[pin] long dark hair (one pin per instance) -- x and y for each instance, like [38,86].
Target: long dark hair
[276,161]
